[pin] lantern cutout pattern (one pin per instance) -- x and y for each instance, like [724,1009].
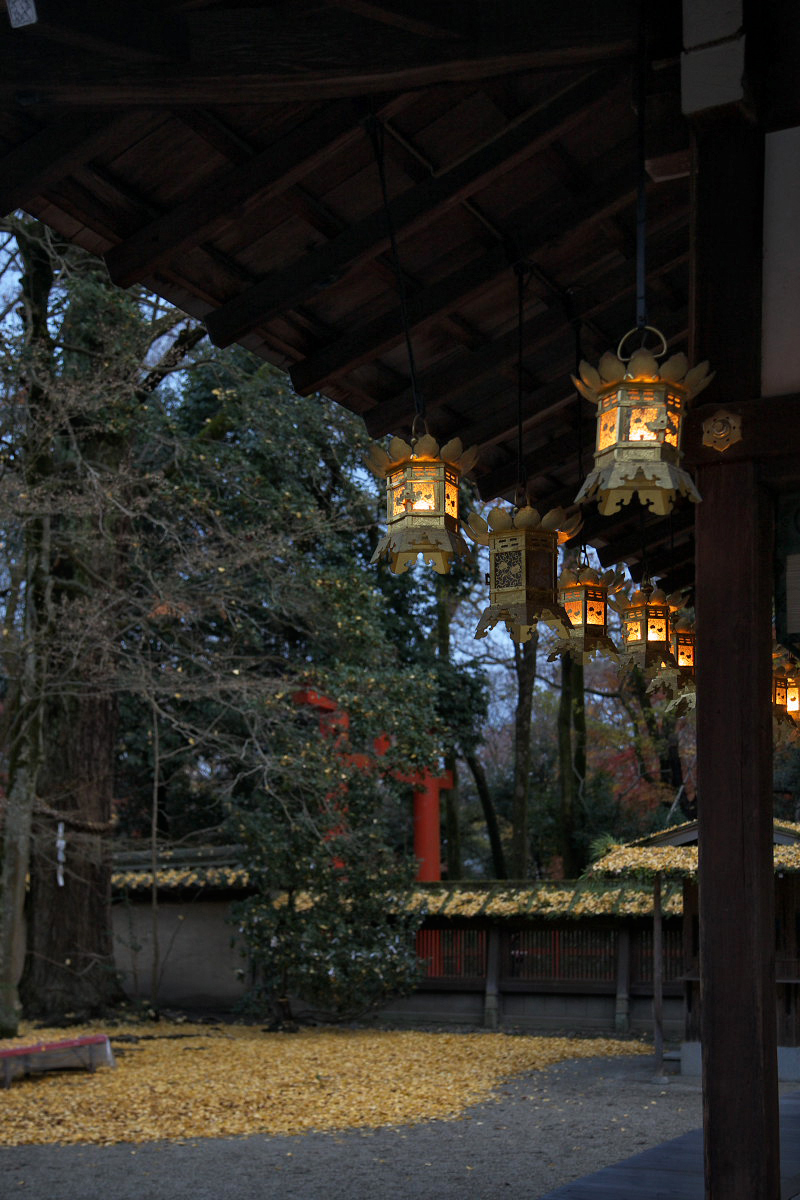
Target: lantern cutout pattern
[583,593]
[422,484]
[640,412]
[523,557]
[646,630]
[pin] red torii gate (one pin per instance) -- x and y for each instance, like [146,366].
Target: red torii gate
[334,723]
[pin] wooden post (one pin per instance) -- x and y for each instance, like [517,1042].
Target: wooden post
[491,999]
[734,548]
[734,775]
[622,1018]
[658,979]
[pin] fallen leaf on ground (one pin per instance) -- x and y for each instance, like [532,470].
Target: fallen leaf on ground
[247,1081]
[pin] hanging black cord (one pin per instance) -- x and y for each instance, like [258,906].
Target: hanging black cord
[377,135]
[641,188]
[519,270]
[643,537]
[577,330]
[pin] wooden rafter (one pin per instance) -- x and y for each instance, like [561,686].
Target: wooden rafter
[412,210]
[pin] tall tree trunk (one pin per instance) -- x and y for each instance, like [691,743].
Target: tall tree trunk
[70,964]
[25,708]
[566,776]
[489,815]
[525,668]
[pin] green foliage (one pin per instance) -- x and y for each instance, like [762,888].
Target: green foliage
[327,924]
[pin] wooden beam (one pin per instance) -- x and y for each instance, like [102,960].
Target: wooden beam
[238,55]
[265,175]
[412,210]
[397,16]
[534,230]
[55,151]
[770,428]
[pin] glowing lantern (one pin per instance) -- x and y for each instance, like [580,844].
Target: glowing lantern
[640,411]
[523,555]
[683,645]
[583,593]
[646,629]
[422,484]
[779,688]
[793,697]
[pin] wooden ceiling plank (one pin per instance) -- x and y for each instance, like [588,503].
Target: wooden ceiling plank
[55,151]
[267,174]
[446,382]
[658,532]
[538,460]
[535,232]
[411,211]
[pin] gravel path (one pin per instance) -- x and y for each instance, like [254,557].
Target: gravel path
[544,1129]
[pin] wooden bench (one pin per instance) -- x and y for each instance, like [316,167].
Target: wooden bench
[86,1053]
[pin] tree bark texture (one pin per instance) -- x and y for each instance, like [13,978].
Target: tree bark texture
[70,962]
[525,667]
[489,815]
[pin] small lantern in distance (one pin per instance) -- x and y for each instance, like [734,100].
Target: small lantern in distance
[583,593]
[646,629]
[780,690]
[523,556]
[422,484]
[640,411]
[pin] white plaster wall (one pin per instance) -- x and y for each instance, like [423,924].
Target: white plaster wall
[198,963]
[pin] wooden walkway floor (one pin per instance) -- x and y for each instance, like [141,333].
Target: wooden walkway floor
[674,1170]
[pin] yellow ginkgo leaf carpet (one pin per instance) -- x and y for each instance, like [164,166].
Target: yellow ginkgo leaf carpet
[190,1081]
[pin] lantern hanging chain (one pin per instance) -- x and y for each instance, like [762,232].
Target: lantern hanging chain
[641,187]
[377,134]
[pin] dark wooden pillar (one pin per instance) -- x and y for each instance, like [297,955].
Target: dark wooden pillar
[734,722]
[734,774]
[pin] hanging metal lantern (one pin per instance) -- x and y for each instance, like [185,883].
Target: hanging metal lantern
[640,411]
[523,557]
[675,679]
[422,485]
[783,675]
[683,646]
[583,593]
[646,629]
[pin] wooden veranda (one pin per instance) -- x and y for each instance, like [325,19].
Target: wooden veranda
[221,155]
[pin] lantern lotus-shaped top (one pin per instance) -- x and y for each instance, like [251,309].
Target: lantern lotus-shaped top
[422,482]
[640,411]
[523,554]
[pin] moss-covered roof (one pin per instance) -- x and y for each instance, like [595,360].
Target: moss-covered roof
[491,899]
[657,854]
